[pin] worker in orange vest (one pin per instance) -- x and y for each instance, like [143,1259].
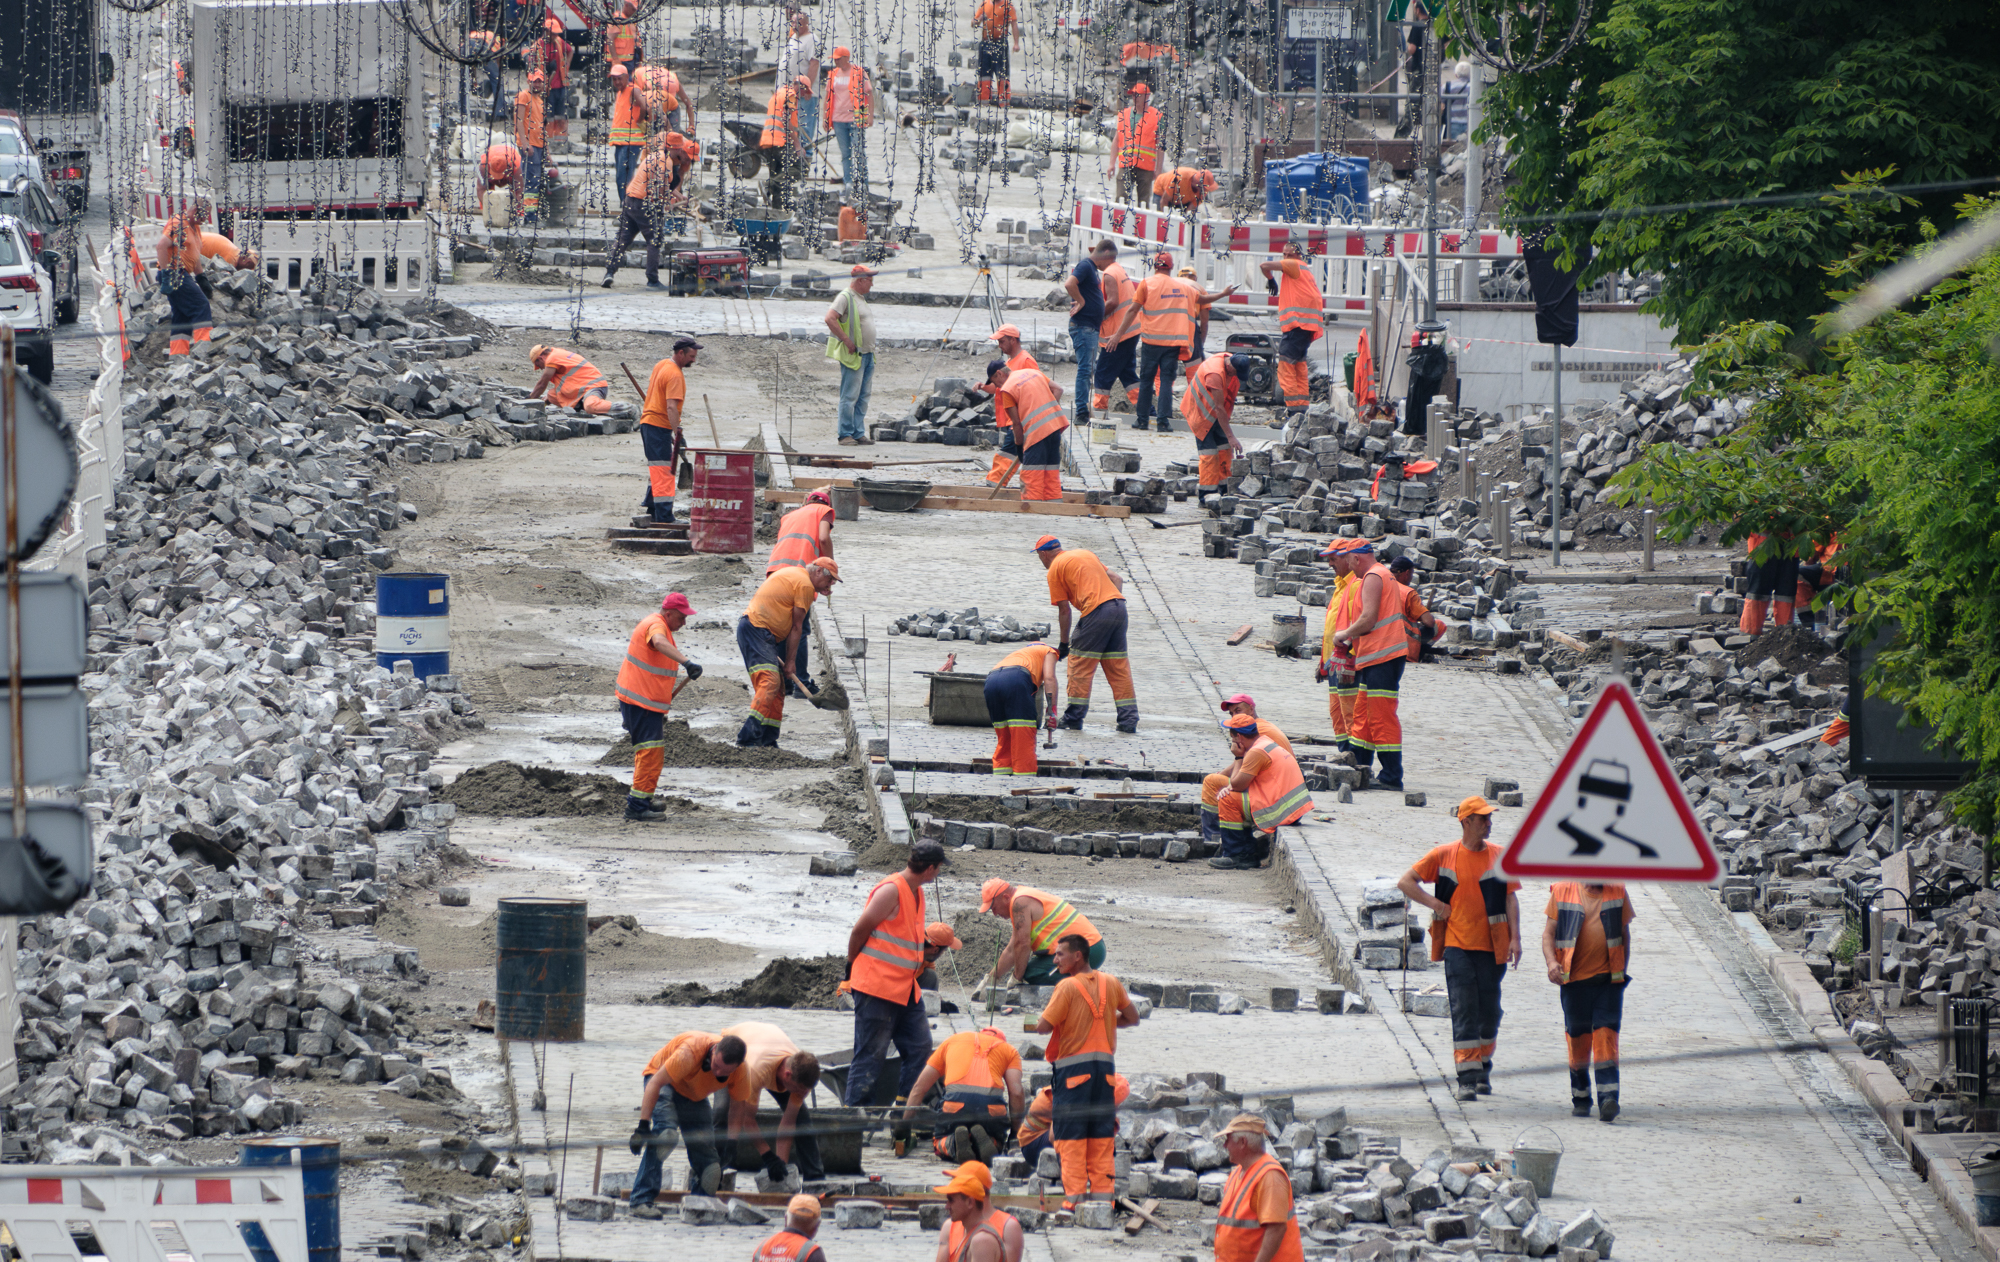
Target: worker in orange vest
[973,1230]
[571,380]
[483,43]
[1257,1220]
[783,140]
[994,20]
[645,689]
[1017,356]
[531,137]
[665,105]
[1300,323]
[1585,943]
[1374,634]
[1010,705]
[770,636]
[1421,627]
[885,957]
[1364,376]
[1169,309]
[628,126]
[1207,405]
[1266,791]
[1085,1015]
[805,535]
[795,1243]
[1136,148]
[850,107]
[1031,404]
[660,433]
[1216,783]
[499,167]
[622,39]
[1184,188]
[1118,332]
[981,1098]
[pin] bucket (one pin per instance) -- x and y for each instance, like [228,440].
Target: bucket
[846,502]
[498,209]
[1538,1165]
[1985,1177]
[413,621]
[721,516]
[539,986]
[1287,630]
[319,1163]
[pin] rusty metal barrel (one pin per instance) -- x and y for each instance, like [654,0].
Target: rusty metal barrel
[539,988]
[722,517]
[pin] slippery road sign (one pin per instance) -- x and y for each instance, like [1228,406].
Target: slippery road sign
[1614,810]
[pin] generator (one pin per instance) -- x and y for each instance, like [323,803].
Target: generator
[1260,384]
[723,271]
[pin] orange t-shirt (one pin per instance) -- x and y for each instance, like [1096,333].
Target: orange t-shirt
[528,120]
[994,19]
[850,226]
[1592,957]
[955,1054]
[1256,760]
[1078,577]
[1266,728]
[683,1058]
[1034,659]
[667,382]
[783,592]
[1466,928]
[768,1047]
[1079,1028]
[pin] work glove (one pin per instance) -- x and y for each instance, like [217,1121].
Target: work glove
[1319,672]
[1062,650]
[694,671]
[900,1132]
[642,1136]
[774,1167]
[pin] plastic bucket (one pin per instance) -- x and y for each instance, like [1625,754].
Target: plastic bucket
[413,621]
[1985,1177]
[539,985]
[721,517]
[846,502]
[1538,1165]
[319,1162]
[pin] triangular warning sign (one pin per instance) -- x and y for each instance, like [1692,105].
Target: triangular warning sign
[1614,810]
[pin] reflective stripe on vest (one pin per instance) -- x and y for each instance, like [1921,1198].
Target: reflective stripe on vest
[1278,795]
[647,677]
[893,957]
[781,119]
[1239,1236]
[1385,641]
[624,42]
[1033,396]
[1168,317]
[786,1246]
[798,537]
[1492,895]
[1140,148]
[1053,924]
[1299,302]
[1121,311]
[1207,398]
[577,375]
[1569,926]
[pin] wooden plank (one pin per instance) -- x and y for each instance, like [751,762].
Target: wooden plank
[1141,1214]
[781,464]
[1033,508]
[818,461]
[1036,793]
[1569,642]
[1069,497]
[1242,634]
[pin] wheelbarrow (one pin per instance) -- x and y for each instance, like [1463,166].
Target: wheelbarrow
[762,238]
[745,157]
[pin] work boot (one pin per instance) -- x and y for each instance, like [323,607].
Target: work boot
[1226,864]
[1579,1093]
[711,1178]
[640,810]
[606,282]
[984,1149]
[1211,829]
[1468,1087]
[1486,1078]
[961,1144]
[1140,424]
[654,283]
[1607,1106]
[647,1211]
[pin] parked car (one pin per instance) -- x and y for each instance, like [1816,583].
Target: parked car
[48,228]
[17,152]
[27,299]
[65,172]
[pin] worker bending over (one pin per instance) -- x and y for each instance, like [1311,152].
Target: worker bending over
[1184,188]
[982,1098]
[1266,791]
[885,957]
[805,535]
[499,167]
[679,1082]
[660,434]
[1085,1015]
[647,683]
[795,1243]
[1029,404]
[183,248]
[768,635]
[1009,338]
[1079,581]
[1300,323]
[571,380]
[1010,706]
[1039,922]
[773,1063]
[1208,404]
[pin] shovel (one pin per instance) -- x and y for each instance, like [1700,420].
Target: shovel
[830,697]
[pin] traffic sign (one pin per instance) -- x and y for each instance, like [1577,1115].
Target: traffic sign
[1614,810]
[1328,23]
[47,457]
[52,626]
[52,869]
[57,720]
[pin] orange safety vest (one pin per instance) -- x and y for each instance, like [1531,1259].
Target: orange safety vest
[859,94]
[647,677]
[798,537]
[997,1219]
[1183,187]
[1492,892]
[624,42]
[1385,642]
[1238,1234]
[1140,150]
[1299,303]
[1413,622]
[1278,795]
[786,1246]
[577,377]
[1121,310]
[893,957]
[781,119]
[1364,372]
[1167,314]
[994,19]
[1058,919]
[1210,395]
[969,1083]
[1146,52]
[628,125]
[1569,925]
[1101,1040]
[1041,1111]
[1035,406]
[482,42]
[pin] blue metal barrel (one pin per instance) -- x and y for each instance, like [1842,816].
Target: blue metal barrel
[539,988]
[413,620]
[319,1161]
[1304,189]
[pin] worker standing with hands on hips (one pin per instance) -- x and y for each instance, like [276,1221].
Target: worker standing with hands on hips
[1257,1220]
[1207,404]
[885,957]
[680,1080]
[1079,581]
[1010,706]
[1266,791]
[1476,933]
[660,432]
[1301,322]
[769,636]
[1039,921]
[1085,1015]
[1585,943]
[645,689]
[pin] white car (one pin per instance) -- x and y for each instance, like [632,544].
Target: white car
[27,300]
[17,154]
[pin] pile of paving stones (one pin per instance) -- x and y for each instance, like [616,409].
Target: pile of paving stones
[940,623]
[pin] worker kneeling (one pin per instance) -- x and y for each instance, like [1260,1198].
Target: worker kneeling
[982,1096]
[571,380]
[1266,792]
[1010,704]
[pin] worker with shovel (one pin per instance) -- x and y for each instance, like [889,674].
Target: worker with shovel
[1010,704]
[647,685]
[805,535]
[768,636]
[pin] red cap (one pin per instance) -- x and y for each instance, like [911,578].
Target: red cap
[1140,89]
[676,602]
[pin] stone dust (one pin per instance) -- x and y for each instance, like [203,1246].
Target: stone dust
[785,983]
[685,749]
[507,788]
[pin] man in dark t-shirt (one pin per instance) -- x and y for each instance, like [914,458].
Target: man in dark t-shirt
[1086,312]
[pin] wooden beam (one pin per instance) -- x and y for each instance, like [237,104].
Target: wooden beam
[1037,508]
[1242,633]
[781,465]
[1068,497]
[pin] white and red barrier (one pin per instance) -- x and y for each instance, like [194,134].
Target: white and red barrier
[169,1214]
[1155,227]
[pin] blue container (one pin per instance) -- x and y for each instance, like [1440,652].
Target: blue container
[1305,189]
[413,620]
[319,1160]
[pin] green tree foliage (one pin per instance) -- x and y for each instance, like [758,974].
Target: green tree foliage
[1896,450]
[1677,101]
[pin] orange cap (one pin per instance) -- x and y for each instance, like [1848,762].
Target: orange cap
[994,888]
[1474,805]
[827,564]
[939,934]
[1005,330]
[972,1179]
[841,52]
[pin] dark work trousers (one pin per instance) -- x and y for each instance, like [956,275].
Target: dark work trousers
[1472,983]
[877,1024]
[696,1122]
[641,216]
[804,655]
[1593,1009]
[659,443]
[1775,579]
[1162,362]
[805,1144]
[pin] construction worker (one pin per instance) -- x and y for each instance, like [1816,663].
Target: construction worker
[1216,783]
[783,140]
[679,1082]
[1300,322]
[994,21]
[853,224]
[938,938]
[973,1230]
[805,535]
[484,43]
[1039,921]
[1030,404]
[1010,703]
[660,432]
[1079,581]
[1476,933]
[1421,627]
[665,106]
[571,380]
[770,635]
[1184,188]
[1169,309]
[799,59]
[1336,663]
[851,324]
[1208,403]
[1117,332]
[621,41]
[1034,1132]
[1257,1220]
[1774,584]
[850,107]
[498,167]
[885,956]
[795,1242]
[773,1063]
[643,211]
[531,138]
[1266,791]
[1203,300]
[1374,634]
[647,682]
[1085,1014]
[628,126]
[982,1098]
[180,254]
[1136,148]
[1586,941]
[553,54]
[1017,356]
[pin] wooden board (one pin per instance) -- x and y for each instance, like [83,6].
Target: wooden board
[976,492]
[1242,634]
[1036,508]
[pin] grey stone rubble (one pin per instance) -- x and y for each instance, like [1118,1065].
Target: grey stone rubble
[1184,844]
[1192,997]
[940,623]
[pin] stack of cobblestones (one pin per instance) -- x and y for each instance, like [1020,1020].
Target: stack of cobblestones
[940,623]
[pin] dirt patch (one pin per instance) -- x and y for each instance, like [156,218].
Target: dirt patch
[685,749]
[455,320]
[421,1180]
[707,574]
[550,679]
[1796,649]
[615,943]
[508,788]
[1126,819]
[983,934]
[840,798]
[785,983]
[538,585]
[511,272]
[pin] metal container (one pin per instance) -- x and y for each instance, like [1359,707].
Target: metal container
[846,502]
[840,1132]
[892,495]
[958,699]
[722,517]
[539,986]
[413,621]
[318,1161]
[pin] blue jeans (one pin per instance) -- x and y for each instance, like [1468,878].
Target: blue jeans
[624,160]
[532,157]
[696,1121]
[1084,339]
[1159,363]
[878,1023]
[854,385]
[852,140]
